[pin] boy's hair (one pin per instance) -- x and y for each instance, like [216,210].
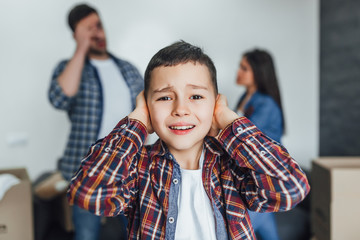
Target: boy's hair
[177,53]
[78,13]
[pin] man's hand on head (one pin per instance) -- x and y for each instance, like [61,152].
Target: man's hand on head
[83,34]
[141,112]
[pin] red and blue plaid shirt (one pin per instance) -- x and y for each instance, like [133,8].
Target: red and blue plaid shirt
[243,169]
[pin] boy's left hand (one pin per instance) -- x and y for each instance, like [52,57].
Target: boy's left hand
[222,117]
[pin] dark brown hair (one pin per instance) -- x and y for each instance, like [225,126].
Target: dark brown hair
[262,66]
[78,13]
[179,53]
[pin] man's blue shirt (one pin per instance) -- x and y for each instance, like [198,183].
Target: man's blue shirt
[85,109]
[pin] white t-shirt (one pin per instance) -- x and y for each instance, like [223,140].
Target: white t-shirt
[195,214]
[116,95]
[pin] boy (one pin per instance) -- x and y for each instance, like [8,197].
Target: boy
[189,184]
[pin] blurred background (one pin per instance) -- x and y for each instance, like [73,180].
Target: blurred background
[315,45]
[35,37]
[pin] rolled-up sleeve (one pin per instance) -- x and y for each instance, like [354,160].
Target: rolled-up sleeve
[56,95]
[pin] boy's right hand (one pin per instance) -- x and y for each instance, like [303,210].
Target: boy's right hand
[141,112]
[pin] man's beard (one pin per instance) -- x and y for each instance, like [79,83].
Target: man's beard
[97,52]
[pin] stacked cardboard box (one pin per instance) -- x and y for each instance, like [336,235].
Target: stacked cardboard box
[16,219]
[335,198]
[53,188]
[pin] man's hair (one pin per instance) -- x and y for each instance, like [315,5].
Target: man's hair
[78,13]
[179,53]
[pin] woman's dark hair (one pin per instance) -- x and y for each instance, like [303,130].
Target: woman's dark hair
[179,53]
[78,13]
[263,69]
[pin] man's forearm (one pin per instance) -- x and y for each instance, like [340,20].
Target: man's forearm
[69,79]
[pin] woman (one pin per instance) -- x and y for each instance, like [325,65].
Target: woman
[261,103]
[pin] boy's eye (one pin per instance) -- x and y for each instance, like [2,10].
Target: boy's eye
[196,97]
[164,99]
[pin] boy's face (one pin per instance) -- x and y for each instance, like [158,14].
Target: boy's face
[181,101]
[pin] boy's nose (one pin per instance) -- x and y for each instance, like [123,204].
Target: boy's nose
[180,109]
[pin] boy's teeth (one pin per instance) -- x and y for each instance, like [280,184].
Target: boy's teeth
[181,127]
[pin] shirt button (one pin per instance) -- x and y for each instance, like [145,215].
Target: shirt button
[107,149]
[123,126]
[170,157]
[239,130]
[175,181]
[262,153]
[171,220]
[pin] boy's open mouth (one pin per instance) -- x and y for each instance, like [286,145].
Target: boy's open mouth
[182,127]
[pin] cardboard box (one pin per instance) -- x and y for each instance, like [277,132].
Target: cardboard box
[335,198]
[53,188]
[16,218]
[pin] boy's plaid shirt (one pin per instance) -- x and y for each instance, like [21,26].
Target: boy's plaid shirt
[243,169]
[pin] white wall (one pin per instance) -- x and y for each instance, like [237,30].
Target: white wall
[34,37]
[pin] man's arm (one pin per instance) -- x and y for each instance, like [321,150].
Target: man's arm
[69,79]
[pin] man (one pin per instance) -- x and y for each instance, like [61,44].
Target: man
[95,89]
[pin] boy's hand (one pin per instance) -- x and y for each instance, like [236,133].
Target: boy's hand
[222,117]
[141,112]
